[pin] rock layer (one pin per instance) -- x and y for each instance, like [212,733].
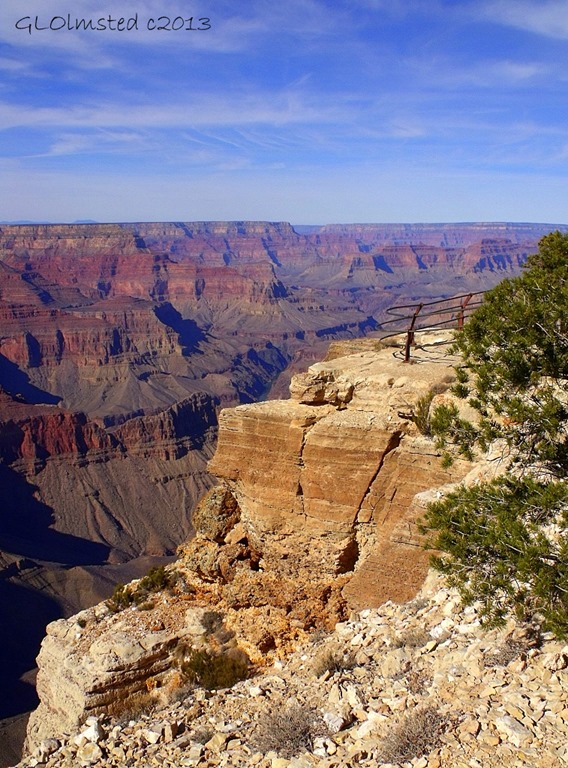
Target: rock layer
[341,462]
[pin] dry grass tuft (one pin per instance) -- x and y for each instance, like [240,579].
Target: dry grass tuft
[417,734]
[286,731]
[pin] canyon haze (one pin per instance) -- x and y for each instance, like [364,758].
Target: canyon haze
[119,343]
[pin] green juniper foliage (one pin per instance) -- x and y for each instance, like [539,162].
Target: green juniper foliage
[506,542]
[498,551]
[447,426]
[515,351]
[156,580]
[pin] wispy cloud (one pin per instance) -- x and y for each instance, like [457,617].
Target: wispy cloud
[96,142]
[543,17]
[442,73]
[227,107]
[278,93]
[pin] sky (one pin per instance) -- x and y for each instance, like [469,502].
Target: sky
[308,111]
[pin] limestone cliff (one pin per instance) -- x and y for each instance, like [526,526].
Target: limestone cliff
[313,516]
[333,471]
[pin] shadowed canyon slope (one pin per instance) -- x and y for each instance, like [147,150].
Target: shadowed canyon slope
[119,343]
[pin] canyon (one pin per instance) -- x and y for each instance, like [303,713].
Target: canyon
[121,343]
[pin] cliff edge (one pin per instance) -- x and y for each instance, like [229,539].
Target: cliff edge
[314,516]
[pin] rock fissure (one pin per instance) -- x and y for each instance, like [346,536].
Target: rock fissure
[301,464]
[393,443]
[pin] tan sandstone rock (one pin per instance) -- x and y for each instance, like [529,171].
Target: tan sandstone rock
[338,466]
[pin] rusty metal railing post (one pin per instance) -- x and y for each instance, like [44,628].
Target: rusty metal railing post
[410,334]
[465,301]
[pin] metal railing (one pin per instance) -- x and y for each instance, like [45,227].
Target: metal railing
[430,316]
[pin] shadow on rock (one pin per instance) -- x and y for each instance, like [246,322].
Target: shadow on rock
[25,614]
[189,333]
[16,382]
[24,527]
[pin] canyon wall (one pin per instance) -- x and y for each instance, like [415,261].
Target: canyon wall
[117,341]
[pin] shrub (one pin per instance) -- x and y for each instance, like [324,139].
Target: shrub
[417,734]
[132,707]
[211,621]
[412,638]
[202,734]
[156,580]
[286,731]
[523,639]
[121,598]
[497,550]
[331,660]
[417,681]
[421,413]
[213,671]
[503,655]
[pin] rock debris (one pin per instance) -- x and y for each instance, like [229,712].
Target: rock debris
[420,685]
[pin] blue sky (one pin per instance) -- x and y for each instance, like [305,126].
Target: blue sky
[308,111]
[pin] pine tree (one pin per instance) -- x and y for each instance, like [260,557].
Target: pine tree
[506,542]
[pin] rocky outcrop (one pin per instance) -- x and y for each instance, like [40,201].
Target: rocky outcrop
[314,515]
[31,435]
[339,464]
[418,684]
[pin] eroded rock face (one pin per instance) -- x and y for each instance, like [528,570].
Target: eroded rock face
[216,515]
[336,468]
[32,435]
[103,660]
[128,490]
